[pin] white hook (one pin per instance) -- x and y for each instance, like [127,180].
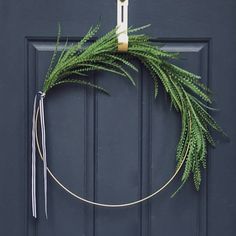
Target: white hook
[122,25]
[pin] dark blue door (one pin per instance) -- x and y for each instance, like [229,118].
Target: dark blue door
[114,148]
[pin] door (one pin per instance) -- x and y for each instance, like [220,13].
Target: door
[114,148]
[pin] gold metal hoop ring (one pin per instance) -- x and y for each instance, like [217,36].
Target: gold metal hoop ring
[105,204]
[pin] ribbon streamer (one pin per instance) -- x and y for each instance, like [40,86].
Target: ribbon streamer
[33,168]
[43,141]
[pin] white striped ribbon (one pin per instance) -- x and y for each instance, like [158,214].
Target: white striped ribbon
[43,141]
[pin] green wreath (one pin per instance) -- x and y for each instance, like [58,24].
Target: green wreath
[187,94]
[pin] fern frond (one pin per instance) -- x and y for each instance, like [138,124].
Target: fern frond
[82,82]
[189,96]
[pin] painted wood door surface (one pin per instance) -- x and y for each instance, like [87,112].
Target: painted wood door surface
[114,148]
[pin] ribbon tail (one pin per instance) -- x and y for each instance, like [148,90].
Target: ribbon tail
[33,167]
[42,122]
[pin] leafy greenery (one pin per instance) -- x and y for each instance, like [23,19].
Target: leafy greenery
[187,94]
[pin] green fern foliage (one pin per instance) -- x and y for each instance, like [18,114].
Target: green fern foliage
[187,94]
